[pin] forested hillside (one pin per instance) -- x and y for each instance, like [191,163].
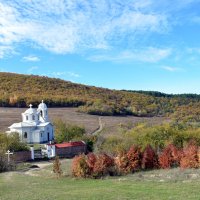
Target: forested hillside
[21,90]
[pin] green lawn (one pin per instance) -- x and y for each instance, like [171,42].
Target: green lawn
[159,184]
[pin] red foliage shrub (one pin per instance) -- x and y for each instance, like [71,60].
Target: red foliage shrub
[149,158]
[130,161]
[190,156]
[170,157]
[80,167]
[122,163]
[91,160]
[103,165]
[134,158]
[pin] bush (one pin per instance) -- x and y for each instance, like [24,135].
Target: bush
[66,132]
[190,156]
[134,158]
[92,166]
[122,163]
[112,145]
[149,158]
[91,160]
[130,161]
[3,161]
[90,140]
[57,167]
[12,142]
[103,166]
[170,157]
[80,167]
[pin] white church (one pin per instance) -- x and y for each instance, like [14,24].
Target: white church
[35,126]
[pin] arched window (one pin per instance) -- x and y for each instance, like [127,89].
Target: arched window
[41,113]
[25,135]
[26,118]
[33,117]
[41,135]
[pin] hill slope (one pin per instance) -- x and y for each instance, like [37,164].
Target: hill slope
[20,90]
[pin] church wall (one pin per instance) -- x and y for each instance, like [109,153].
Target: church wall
[36,137]
[48,129]
[28,131]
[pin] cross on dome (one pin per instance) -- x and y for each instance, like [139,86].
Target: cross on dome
[30,105]
[42,101]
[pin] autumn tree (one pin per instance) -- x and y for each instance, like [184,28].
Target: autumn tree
[190,156]
[57,167]
[149,158]
[170,157]
[122,163]
[103,165]
[80,167]
[91,160]
[134,158]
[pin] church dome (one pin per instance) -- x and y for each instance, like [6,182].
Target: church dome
[30,111]
[42,106]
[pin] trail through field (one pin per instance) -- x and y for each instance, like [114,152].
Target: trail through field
[100,128]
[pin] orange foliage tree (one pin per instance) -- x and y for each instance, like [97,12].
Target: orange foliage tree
[134,156]
[80,167]
[149,158]
[122,163]
[190,156]
[103,165]
[130,161]
[170,157]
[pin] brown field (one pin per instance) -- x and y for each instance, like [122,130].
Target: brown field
[110,124]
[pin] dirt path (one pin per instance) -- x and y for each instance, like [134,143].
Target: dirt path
[100,128]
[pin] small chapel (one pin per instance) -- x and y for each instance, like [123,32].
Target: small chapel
[35,126]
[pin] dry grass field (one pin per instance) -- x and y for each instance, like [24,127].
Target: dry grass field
[110,124]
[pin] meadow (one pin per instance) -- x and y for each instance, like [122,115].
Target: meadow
[42,184]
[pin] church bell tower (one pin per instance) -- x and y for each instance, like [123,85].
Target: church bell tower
[43,112]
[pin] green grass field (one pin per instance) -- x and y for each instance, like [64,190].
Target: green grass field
[42,185]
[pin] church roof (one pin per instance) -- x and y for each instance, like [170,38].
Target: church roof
[22,124]
[30,110]
[28,124]
[69,144]
[44,123]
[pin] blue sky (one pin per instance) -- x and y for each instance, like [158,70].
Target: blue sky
[132,44]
